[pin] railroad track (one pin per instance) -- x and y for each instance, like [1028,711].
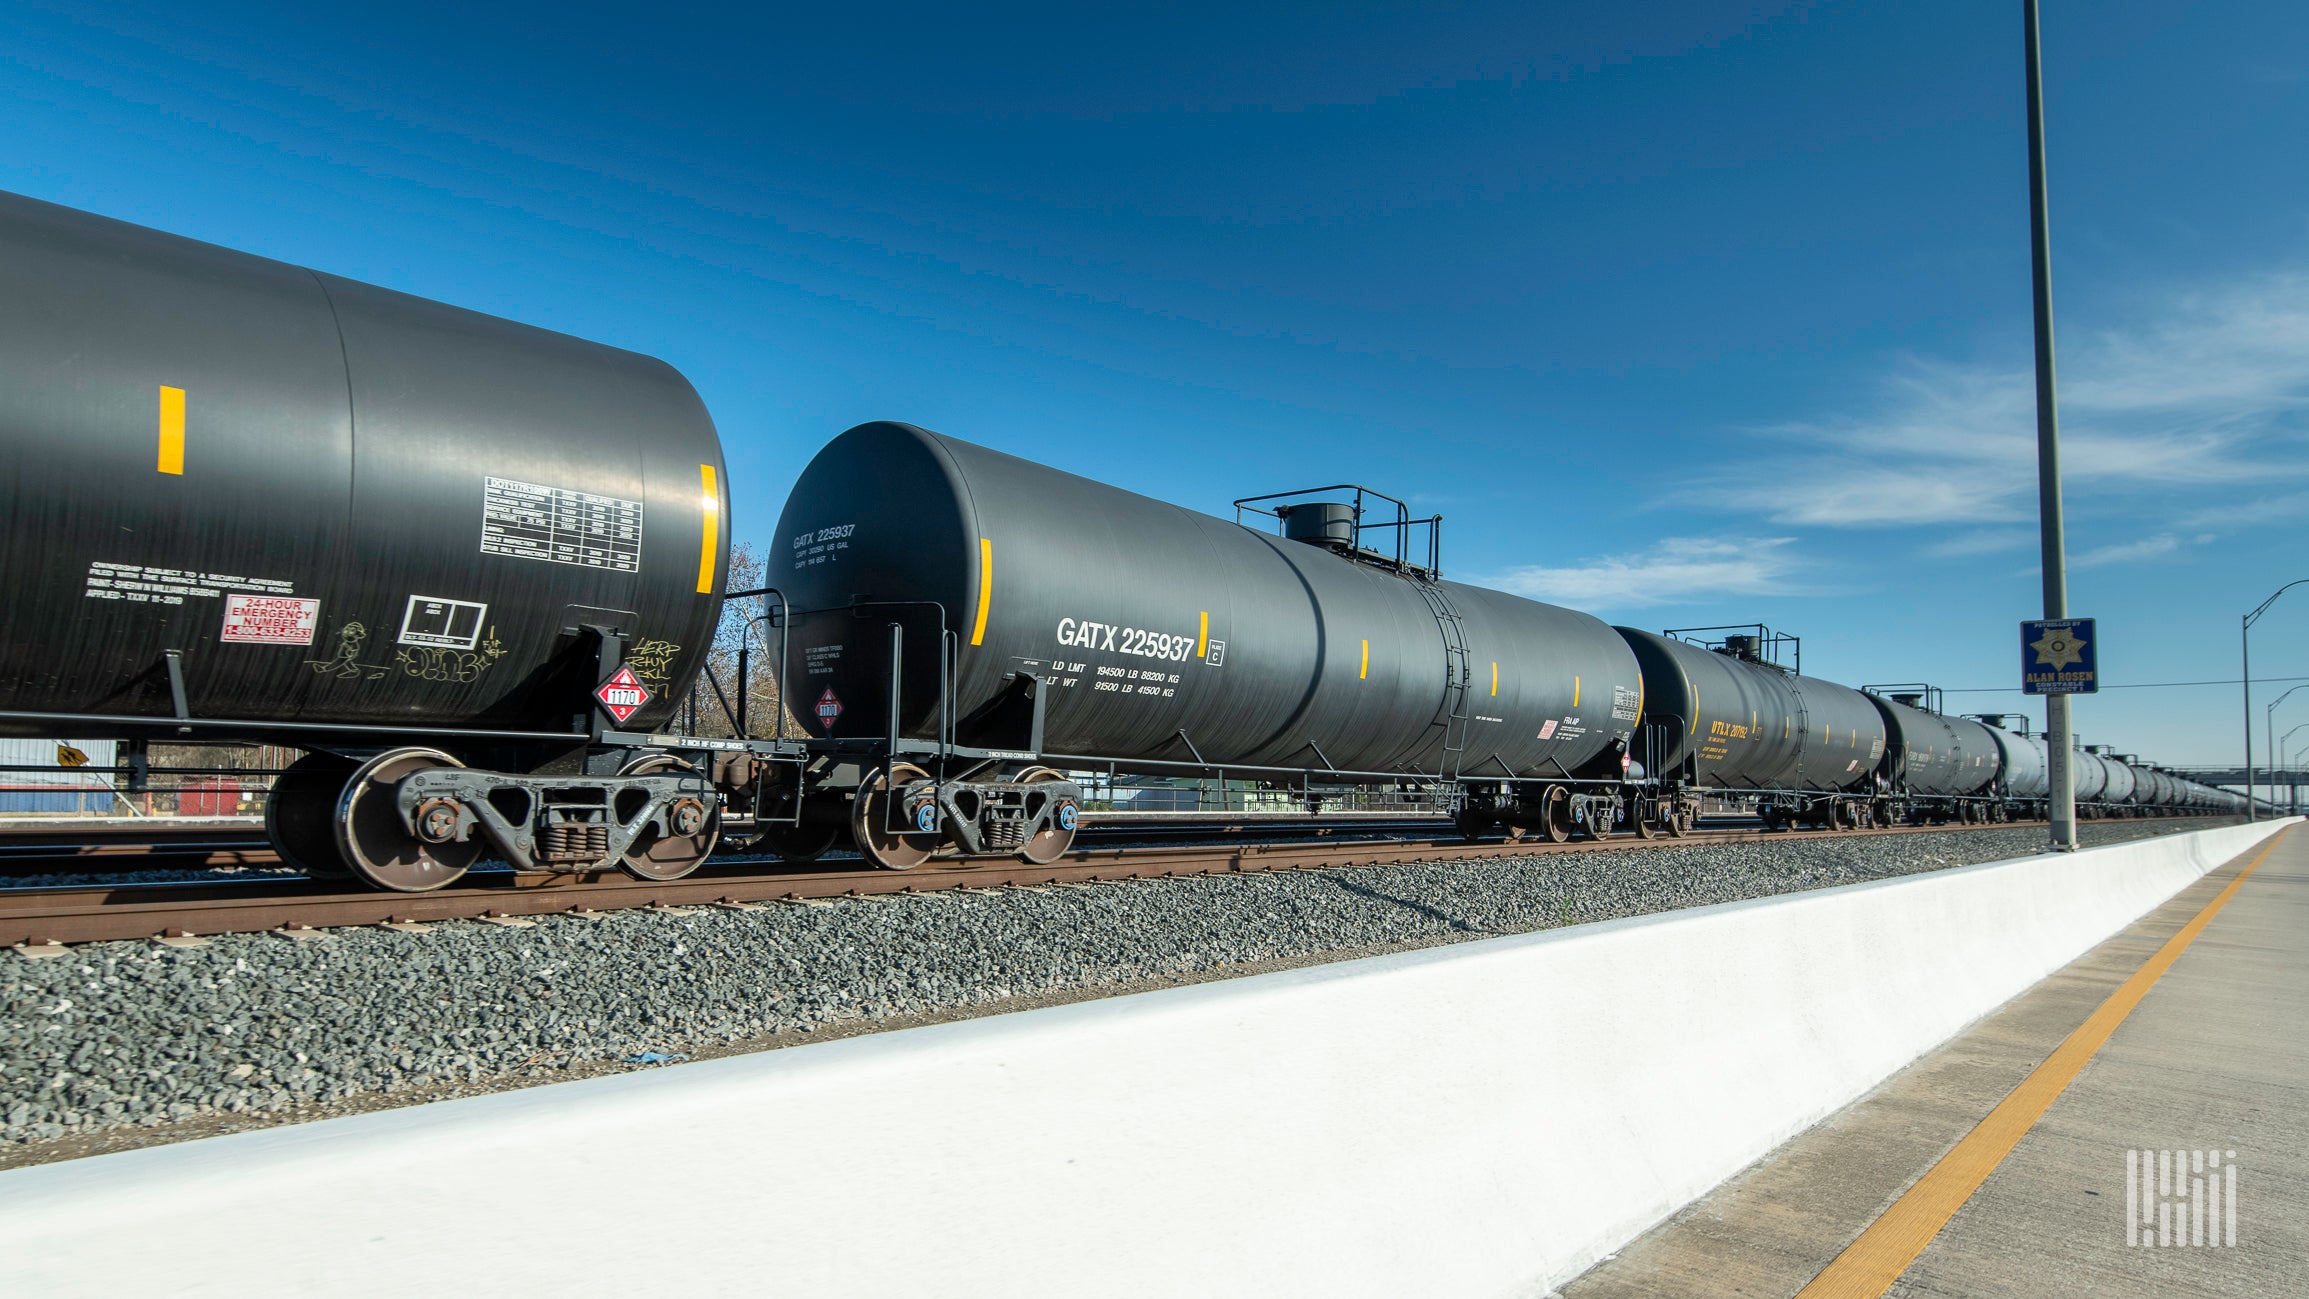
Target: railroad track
[37,918]
[101,849]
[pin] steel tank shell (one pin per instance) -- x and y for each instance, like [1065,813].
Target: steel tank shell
[2123,784]
[1936,756]
[340,503]
[1744,725]
[2021,764]
[2092,775]
[2148,787]
[2164,790]
[1163,635]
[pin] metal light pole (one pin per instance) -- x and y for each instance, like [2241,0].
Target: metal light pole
[2269,732]
[2056,706]
[2245,637]
[2295,804]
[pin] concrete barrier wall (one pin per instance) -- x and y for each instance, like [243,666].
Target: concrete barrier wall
[1485,1119]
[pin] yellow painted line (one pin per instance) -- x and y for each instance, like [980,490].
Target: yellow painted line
[709,541]
[1575,692]
[986,589]
[1868,1266]
[1364,673]
[1495,679]
[171,430]
[1202,636]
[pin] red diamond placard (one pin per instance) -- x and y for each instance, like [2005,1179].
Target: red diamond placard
[622,695]
[829,708]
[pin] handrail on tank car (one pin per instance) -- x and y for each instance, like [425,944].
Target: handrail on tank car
[782,619]
[1934,702]
[1767,642]
[1651,734]
[1401,526]
[255,727]
[949,647]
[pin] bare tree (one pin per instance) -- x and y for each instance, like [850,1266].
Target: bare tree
[746,625]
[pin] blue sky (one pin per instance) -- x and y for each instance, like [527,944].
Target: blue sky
[1693,314]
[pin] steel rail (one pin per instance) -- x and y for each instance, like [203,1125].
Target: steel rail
[211,849]
[36,916]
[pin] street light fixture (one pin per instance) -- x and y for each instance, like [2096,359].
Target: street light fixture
[2245,635]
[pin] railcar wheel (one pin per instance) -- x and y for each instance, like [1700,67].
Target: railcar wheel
[1678,822]
[301,814]
[1048,845]
[870,814]
[379,848]
[693,827]
[1555,807]
[1644,826]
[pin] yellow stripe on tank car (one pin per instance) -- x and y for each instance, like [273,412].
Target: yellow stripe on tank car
[985,589]
[1364,673]
[1575,692]
[1203,638]
[171,430]
[1495,678]
[709,542]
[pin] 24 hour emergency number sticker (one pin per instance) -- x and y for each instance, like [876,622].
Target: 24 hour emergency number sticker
[269,620]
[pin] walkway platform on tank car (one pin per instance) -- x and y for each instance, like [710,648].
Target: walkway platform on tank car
[2212,1057]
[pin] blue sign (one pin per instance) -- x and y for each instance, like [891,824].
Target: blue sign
[2059,656]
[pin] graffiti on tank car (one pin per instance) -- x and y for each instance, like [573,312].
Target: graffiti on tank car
[432,663]
[344,662]
[652,661]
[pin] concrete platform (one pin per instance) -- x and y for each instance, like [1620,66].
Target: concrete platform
[2214,1058]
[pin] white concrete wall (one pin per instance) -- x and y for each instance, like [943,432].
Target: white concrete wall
[1483,1120]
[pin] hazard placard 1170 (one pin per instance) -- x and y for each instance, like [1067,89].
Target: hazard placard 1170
[622,695]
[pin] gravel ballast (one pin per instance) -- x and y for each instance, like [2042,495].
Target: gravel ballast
[127,1043]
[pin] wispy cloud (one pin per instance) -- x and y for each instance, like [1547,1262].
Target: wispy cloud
[2289,507]
[1671,569]
[1984,541]
[2126,552]
[2210,393]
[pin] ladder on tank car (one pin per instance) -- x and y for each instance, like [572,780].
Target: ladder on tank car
[1457,673]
